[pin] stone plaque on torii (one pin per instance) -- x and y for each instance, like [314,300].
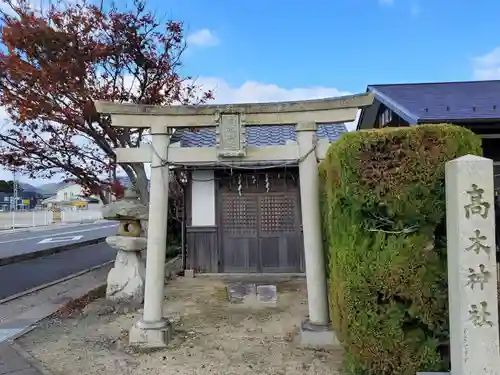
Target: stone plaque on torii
[230,135]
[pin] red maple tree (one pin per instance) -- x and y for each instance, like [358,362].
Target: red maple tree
[117,189]
[54,63]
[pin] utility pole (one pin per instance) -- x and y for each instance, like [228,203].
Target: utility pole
[111,176]
[111,181]
[15,188]
[14,199]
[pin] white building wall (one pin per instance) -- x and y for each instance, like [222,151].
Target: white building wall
[68,193]
[203,198]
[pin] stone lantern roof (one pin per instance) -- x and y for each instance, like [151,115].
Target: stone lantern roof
[127,208]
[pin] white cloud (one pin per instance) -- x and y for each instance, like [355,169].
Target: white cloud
[35,5]
[203,37]
[487,66]
[253,91]
[256,92]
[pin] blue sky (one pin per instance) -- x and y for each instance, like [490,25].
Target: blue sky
[290,50]
[338,43]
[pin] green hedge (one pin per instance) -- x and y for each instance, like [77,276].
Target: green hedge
[383,203]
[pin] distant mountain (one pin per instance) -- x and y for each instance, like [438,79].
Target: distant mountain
[28,187]
[50,188]
[44,189]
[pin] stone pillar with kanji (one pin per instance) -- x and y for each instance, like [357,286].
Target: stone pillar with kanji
[472,276]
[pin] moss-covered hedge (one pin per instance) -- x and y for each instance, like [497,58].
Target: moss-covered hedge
[383,203]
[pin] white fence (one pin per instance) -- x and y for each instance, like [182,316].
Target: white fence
[35,218]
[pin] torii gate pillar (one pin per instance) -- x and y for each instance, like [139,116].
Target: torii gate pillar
[316,329]
[153,330]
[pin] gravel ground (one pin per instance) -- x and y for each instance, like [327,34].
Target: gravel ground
[212,336]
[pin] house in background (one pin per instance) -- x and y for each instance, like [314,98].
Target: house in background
[474,105]
[70,192]
[241,217]
[71,195]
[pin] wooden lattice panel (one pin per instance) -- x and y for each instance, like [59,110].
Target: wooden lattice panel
[278,213]
[239,214]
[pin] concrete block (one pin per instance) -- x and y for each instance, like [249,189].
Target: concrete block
[151,337]
[312,335]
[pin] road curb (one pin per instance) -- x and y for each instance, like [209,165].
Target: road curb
[54,250]
[29,320]
[55,282]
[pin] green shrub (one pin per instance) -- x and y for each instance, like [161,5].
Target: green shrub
[383,203]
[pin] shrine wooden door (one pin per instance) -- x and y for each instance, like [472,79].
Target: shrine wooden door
[260,228]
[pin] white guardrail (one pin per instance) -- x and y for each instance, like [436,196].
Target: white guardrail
[37,218]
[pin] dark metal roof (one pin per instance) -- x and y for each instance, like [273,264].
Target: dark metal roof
[442,101]
[266,135]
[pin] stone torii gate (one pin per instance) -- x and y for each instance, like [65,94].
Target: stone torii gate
[154,330]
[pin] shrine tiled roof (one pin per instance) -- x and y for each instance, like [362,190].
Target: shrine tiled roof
[264,135]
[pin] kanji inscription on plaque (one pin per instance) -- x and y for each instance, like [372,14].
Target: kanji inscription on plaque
[476,206]
[479,315]
[478,243]
[230,135]
[478,277]
[230,132]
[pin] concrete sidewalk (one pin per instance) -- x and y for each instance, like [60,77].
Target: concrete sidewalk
[15,361]
[23,314]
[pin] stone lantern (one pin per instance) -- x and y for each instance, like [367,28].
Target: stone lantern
[126,278]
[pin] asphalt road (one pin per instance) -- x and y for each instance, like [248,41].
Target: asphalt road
[19,277]
[17,243]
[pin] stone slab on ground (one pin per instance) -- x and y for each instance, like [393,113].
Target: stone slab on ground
[211,336]
[267,293]
[249,292]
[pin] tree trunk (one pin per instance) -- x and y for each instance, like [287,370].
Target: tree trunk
[103,198]
[142,183]
[137,175]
